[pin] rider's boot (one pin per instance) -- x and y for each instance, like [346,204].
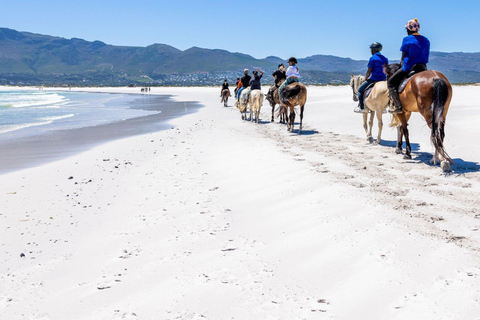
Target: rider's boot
[396,105]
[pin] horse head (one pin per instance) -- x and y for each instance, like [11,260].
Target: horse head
[355,82]
[390,69]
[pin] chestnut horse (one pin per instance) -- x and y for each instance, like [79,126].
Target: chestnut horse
[428,93]
[294,94]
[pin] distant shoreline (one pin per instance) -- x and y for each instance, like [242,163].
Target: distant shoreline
[36,150]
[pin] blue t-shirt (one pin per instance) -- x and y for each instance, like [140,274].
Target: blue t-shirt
[376,62]
[416,49]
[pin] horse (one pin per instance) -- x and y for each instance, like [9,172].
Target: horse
[255,100]
[242,102]
[294,94]
[377,101]
[428,93]
[273,100]
[225,96]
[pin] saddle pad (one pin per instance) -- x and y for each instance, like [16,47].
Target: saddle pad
[414,71]
[403,84]
[368,91]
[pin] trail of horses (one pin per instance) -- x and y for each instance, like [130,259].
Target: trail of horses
[425,198]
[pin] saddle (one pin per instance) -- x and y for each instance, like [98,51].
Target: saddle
[417,68]
[368,90]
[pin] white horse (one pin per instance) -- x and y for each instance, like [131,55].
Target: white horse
[242,103]
[376,102]
[256,101]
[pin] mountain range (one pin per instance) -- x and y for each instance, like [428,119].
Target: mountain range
[28,58]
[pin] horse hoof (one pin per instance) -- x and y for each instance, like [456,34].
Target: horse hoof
[445,165]
[398,151]
[407,156]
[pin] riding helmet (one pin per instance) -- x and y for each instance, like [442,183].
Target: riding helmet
[413,25]
[292,59]
[377,46]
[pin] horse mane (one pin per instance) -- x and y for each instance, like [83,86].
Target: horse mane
[390,69]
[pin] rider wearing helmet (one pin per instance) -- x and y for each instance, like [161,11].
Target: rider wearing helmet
[374,73]
[292,74]
[415,54]
[245,80]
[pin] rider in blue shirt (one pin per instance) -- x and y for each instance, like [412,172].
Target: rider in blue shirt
[415,54]
[374,73]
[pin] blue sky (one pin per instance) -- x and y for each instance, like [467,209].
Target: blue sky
[260,28]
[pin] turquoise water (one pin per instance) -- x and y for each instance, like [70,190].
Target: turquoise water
[28,113]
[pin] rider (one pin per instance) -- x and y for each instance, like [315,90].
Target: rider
[278,75]
[415,53]
[245,80]
[224,86]
[292,74]
[374,73]
[255,82]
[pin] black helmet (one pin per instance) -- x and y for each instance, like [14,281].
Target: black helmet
[376,46]
[281,64]
[292,59]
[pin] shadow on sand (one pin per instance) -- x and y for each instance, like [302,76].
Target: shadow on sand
[460,167]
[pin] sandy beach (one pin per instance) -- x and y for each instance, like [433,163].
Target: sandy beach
[217,218]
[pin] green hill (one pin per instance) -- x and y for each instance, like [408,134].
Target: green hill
[28,58]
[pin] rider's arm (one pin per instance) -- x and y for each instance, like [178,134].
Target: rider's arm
[401,60]
[369,72]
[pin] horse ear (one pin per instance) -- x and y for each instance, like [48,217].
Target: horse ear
[351,75]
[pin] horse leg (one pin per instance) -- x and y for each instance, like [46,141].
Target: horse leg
[408,148]
[273,111]
[292,120]
[370,124]
[380,126]
[301,118]
[399,140]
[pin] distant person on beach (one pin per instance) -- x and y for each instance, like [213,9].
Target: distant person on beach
[224,86]
[245,80]
[415,54]
[374,73]
[292,74]
[278,75]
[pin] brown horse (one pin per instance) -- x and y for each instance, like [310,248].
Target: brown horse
[225,95]
[294,94]
[428,93]
[273,100]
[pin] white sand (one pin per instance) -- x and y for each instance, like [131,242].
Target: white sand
[224,219]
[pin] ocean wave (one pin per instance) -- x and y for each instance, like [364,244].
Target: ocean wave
[25,100]
[15,127]
[51,119]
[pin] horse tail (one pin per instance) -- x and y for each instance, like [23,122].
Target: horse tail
[395,122]
[440,97]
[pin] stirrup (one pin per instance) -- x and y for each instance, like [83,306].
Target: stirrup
[359,110]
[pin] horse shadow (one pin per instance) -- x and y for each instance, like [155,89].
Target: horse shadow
[307,132]
[393,144]
[459,167]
